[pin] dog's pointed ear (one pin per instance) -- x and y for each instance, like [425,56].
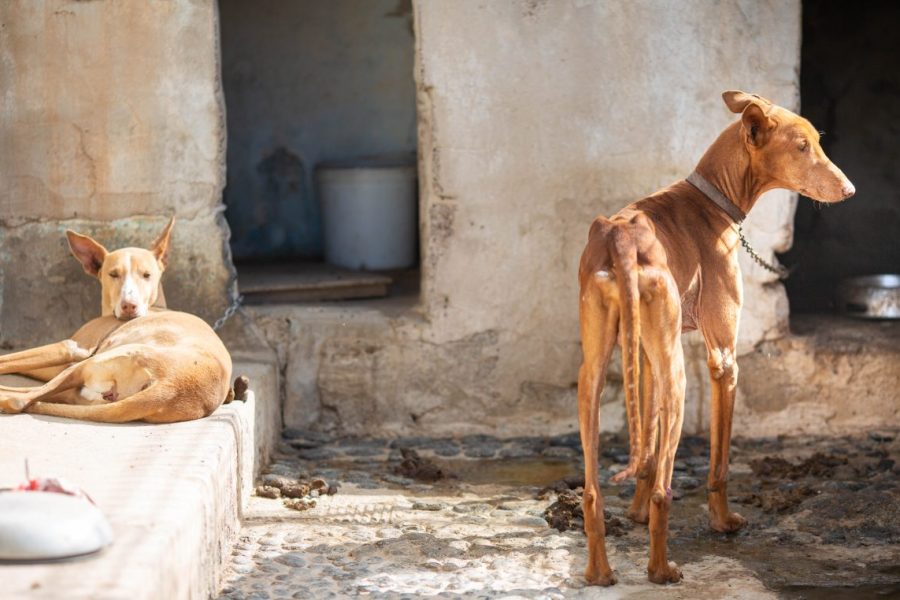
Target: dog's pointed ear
[160,247]
[756,124]
[89,252]
[737,101]
[754,115]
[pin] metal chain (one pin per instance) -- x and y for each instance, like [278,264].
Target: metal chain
[229,312]
[782,272]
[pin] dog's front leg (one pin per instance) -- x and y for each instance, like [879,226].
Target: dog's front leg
[723,371]
[720,332]
[51,355]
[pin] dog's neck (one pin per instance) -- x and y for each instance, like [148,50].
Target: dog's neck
[727,165]
[160,297]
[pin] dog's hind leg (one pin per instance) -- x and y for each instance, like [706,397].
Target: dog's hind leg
[67,396]
[141,406]
[622,249]
[661,335]
[103,378]
[14,400]
[639,511]
[599,324]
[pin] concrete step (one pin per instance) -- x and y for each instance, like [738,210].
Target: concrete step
[173,494]
[264,283]
[833,375]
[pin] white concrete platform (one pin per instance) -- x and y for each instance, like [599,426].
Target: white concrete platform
[172,493]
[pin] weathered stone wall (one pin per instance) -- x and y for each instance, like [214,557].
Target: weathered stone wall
[535,117]
[545,114]
[111,121]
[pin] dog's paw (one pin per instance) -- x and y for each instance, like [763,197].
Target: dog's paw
[627,473]
[639,514]
[670,573]
[11,406]
[730,524]
[595,577]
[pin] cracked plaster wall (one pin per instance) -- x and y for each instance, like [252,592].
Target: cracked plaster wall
[111,121]
[534,117]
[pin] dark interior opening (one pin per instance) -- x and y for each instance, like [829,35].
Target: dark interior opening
[850,89]
[310,83]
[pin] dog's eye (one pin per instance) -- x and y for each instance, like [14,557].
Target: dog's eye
[804,146]
[146,275]
[114,274]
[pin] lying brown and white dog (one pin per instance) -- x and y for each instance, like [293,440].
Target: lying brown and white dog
[137,362]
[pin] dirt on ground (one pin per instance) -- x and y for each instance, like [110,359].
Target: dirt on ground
[823,513]
[297,493]
[416,467]
[818,465]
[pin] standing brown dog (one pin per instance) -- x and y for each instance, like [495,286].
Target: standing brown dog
[137,362]
[667,264]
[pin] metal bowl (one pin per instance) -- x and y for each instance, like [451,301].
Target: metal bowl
[870,297]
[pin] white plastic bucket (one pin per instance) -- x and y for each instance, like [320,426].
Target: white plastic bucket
[369,216]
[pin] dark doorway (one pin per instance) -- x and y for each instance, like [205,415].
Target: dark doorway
[308,83]
[850,89]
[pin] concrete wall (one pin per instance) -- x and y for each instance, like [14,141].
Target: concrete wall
[533,118]
[111,121]
[851,90]
[307,81]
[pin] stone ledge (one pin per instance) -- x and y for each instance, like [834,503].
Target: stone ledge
[172,493]
[832,376]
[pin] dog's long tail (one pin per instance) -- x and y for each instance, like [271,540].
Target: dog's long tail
[623,251]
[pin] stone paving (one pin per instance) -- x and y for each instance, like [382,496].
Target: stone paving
[481,533]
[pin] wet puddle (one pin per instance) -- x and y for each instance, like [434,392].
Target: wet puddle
[527,472]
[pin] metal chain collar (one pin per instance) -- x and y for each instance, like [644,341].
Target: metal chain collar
[737,216]
[229,312]
[782,272]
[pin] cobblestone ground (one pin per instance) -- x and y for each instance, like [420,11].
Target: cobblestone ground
[824,523]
